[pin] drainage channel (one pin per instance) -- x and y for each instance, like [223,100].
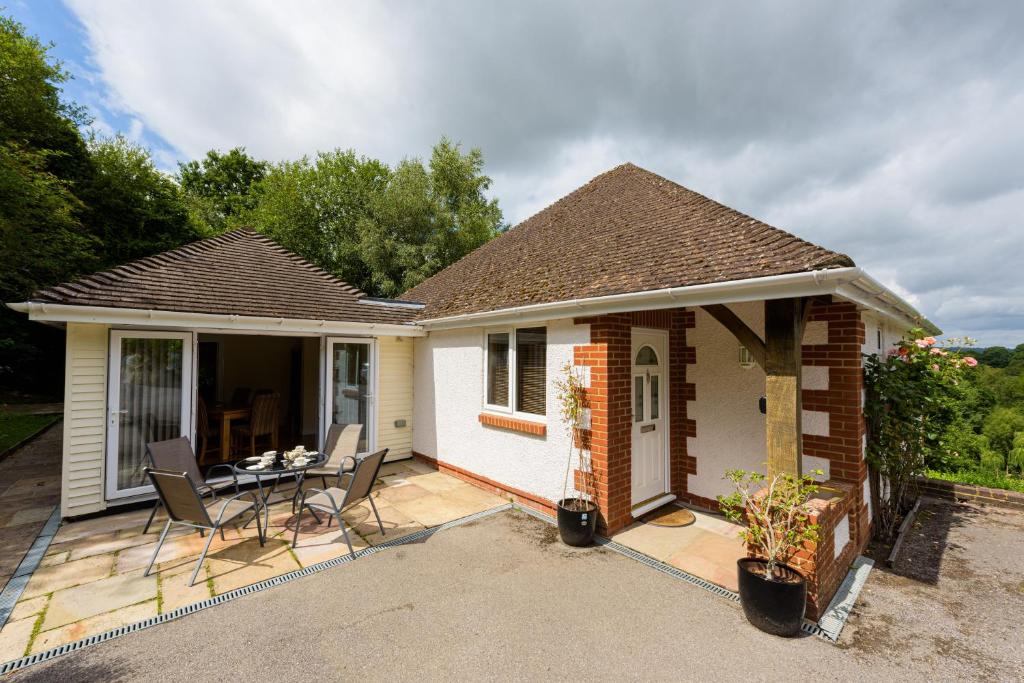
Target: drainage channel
[40,657]
[828,627]
[16,584]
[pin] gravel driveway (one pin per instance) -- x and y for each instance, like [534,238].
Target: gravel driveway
[502,599]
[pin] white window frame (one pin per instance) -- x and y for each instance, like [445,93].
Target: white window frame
[510,409]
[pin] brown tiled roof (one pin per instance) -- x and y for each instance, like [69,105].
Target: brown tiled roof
[240,272]
[627,230]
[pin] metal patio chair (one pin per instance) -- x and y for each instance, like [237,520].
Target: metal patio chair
[177,455]
[185,506]
[336,500]
[341,447]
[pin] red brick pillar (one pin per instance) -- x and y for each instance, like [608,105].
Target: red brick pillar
[607,356]
[843,447]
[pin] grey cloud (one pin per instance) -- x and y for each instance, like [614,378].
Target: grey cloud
[891,131]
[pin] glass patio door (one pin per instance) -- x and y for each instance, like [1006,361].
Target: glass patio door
[150,399]
[350,387]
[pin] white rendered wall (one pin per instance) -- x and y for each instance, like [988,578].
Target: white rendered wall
[730,426]
[449,381]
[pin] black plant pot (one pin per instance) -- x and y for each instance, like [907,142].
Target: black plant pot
[577,522]
[775,606]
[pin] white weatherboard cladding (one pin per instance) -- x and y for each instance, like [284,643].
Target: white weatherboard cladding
[449,371]
[85,408]
[395,395]
[842,536]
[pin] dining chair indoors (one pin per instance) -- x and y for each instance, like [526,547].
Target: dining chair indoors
[187,507]
[336,500]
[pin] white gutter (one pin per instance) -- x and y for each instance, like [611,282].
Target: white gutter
[843,282]
[45,312]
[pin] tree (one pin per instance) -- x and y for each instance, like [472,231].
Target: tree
[426,218]
[996,356]
[313,207]
[382,230]
[1001,426]
[42,237]
[219,187]
[133,209]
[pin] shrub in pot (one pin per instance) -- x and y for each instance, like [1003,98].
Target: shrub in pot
[772,593]
[577,511]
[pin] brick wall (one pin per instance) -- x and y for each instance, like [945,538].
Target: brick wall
[817,560]
[609,357]
[948,490]
[844,445]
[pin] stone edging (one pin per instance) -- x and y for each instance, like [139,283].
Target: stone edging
[949,490]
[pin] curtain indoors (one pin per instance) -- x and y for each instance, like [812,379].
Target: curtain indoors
[150,402]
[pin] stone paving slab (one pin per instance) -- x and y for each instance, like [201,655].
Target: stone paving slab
[708,548]
[91,578]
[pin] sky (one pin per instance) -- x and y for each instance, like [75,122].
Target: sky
[890,131]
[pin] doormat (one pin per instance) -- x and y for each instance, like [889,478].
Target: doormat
[669,515]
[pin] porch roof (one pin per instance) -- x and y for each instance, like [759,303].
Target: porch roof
[238,273]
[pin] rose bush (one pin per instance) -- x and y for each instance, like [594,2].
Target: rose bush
[910,403]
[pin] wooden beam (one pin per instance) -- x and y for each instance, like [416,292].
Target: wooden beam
[783,333]
[739,329]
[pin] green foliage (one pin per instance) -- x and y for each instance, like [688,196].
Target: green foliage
[15,427]
[313,207]
[1001,426]
[220,187]
[70,205]
[1015,458]
[912,400]
[571,394]
[991,479]
[382,230]
[133,209]
[777,519]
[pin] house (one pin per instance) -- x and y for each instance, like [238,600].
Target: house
[708,341]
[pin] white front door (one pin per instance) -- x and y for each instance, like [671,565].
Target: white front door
[350,387]
[149,398]
[650,421]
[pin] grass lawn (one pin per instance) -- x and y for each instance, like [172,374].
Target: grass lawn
[16,426]
[992,480]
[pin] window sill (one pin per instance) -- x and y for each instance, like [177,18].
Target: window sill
[513,424]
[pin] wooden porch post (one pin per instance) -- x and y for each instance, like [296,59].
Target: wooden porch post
[783,332]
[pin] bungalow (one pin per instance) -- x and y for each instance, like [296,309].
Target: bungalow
[708,341]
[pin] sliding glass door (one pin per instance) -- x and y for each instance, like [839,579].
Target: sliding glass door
[150,399]
[351,380]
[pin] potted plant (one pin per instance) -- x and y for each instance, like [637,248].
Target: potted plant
[577,511]
[773,594]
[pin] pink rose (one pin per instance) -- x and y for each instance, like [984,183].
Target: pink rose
[922,343]
[930,341]
[971,362]
[935,367]
[937,352]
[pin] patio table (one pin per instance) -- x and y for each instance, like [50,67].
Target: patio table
[279,468]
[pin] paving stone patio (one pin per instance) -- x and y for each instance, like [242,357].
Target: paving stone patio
[91,579]
[29,490]
[708,548]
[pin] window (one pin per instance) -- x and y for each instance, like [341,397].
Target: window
[497,369]
[519,354]
[646,356]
